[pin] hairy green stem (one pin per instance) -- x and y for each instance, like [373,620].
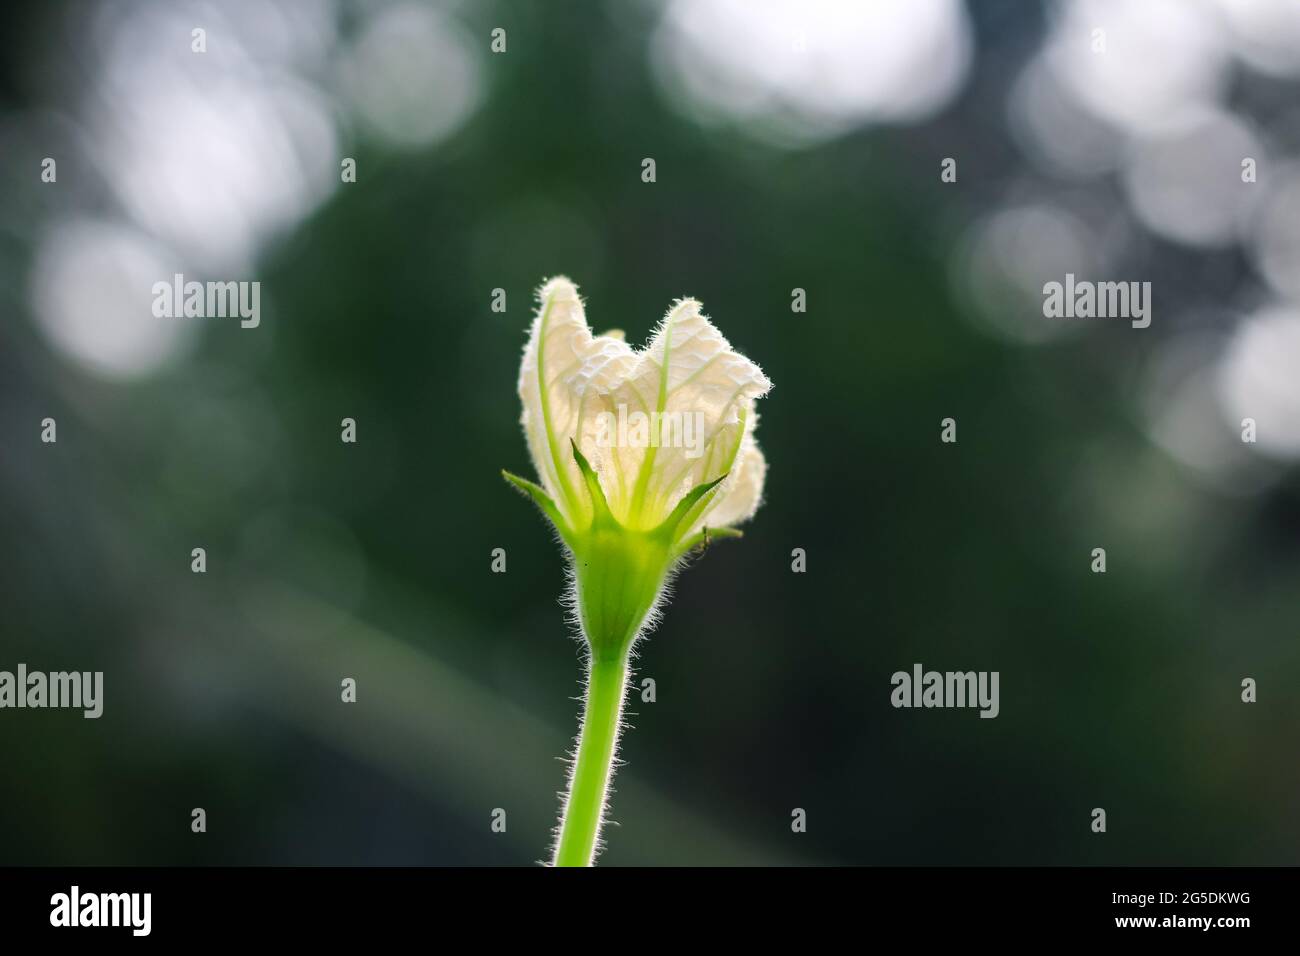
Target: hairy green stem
[585,808]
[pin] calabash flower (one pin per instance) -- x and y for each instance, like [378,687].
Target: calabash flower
[643,456]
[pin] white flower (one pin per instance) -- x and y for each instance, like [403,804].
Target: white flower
[642,456]
[656,425]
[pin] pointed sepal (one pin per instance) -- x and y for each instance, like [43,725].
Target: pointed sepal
[701,539]
[669,529]
[540,498]
[600,507]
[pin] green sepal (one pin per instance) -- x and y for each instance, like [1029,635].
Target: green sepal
[541,499]
[600,507]
[668,529]
[704,537]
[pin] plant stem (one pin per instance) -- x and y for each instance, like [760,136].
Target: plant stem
[585,808]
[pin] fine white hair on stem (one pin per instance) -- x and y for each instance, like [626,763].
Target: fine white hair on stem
[653,616]
[571,761]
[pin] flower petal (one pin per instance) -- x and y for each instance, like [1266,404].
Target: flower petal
[702,391]
[740,495]
[563,364]
[692,393]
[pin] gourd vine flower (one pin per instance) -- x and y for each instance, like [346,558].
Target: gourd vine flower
[643,457]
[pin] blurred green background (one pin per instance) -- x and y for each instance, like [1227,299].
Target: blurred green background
[796,146]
